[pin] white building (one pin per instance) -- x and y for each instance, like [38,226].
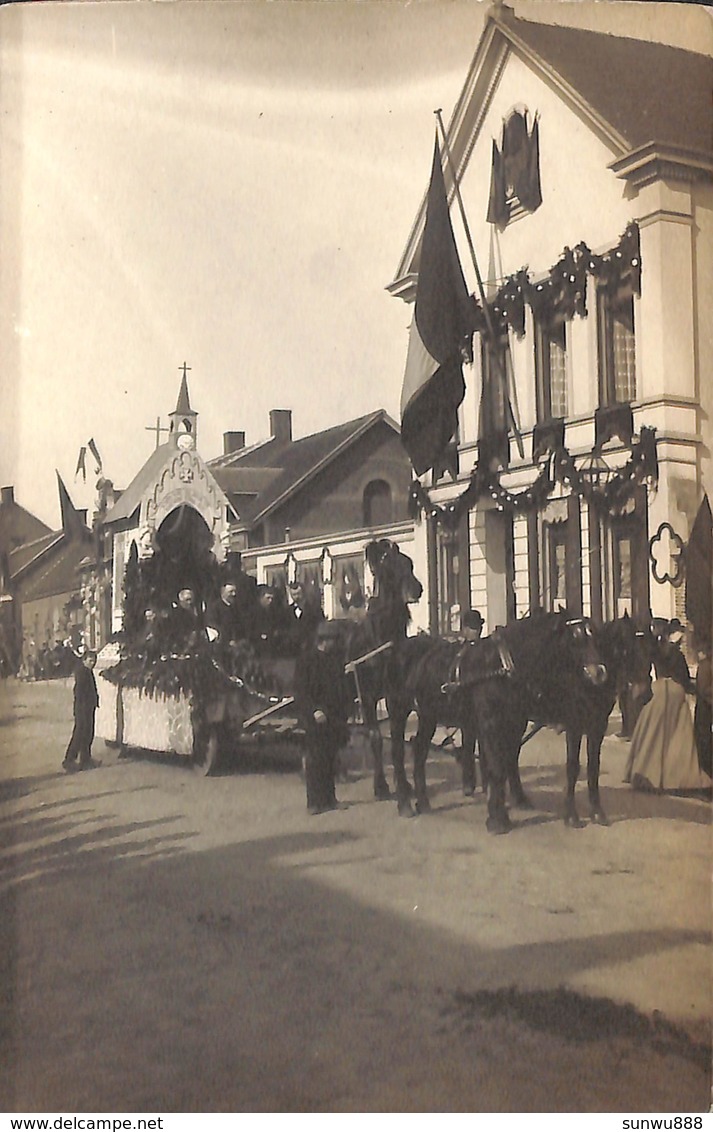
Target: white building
[625,150]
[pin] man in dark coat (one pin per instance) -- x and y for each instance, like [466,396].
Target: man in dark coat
[322,699]
[303,615]
[226,619]
[86,702]
[185,629]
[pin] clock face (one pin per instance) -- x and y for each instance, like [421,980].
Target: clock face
[185,440]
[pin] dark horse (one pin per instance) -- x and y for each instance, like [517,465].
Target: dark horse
[626,653]
[379,636]
[540,669]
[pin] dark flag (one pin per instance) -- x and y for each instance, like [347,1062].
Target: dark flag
[441,335]
[95,453]
[82,463]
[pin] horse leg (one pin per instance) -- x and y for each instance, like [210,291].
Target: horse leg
[571,817]
[518,797]
[467,758]
[594,747]
[397,723]
[381,786]
[422,741]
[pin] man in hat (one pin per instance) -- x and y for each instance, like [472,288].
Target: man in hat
[471,626]
[322,699]
[86,702]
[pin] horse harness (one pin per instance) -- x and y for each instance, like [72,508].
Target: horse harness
[504,666]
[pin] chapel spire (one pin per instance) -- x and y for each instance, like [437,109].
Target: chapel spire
[183,419]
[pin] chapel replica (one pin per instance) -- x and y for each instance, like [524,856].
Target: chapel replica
[178,667]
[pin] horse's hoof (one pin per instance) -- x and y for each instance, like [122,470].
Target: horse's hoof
[600,818]
[469,791]
[573,821]
[381,791]
[423,806]
[498,825]
[405,808]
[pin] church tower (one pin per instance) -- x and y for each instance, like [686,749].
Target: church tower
[183,419]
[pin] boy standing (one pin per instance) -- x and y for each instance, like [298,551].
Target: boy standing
[86,701]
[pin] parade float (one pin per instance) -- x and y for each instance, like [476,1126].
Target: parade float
[165,682]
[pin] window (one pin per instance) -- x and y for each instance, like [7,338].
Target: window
[617,354]
[558,566]
[551,369]
[448,559]
[378,511]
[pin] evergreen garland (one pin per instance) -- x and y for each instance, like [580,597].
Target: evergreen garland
[609,497]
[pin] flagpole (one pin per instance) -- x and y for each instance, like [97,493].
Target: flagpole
[481,288]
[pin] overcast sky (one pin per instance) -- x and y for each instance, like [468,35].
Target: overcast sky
[225,183]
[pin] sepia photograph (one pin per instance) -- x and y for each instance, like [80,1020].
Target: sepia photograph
[356,559]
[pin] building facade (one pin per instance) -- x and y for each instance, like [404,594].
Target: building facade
[292,509]
[306,507]
[586,175]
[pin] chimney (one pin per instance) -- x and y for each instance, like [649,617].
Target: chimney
[7,495]
[233,442]
[281,424]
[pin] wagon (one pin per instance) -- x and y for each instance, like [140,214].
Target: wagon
[201,729]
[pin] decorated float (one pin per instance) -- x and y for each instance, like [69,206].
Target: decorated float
[169,680]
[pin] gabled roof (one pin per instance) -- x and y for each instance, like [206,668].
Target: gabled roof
[631,91]
[131,497]
[645,91]
[58,573]
[259,479]
[24,557]
[18,526]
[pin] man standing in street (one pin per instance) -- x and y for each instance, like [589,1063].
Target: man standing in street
[322,698]
[86,701]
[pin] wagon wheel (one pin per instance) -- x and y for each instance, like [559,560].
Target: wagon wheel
[207,755]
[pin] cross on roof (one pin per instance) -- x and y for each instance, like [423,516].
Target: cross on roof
[158,428]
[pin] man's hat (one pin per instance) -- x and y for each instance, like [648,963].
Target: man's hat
[472,619]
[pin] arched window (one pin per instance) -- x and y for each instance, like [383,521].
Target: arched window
[378,510]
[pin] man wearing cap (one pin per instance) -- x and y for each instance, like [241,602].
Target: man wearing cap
[322,698]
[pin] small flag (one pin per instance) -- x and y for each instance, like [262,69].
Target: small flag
[95,453]
[440,337]
[82,464]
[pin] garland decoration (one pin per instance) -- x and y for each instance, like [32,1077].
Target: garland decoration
[591,479]
[563,294]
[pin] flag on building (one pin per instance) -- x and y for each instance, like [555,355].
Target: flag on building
[441,336]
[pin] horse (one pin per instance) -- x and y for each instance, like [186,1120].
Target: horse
[539,668]
[626,653]
[429,664]
[371,645]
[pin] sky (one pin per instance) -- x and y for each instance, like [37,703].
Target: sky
[229,183]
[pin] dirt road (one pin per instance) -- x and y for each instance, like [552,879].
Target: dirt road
[170,943]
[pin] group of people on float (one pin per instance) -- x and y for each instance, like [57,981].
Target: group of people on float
[263,620]
[243,613]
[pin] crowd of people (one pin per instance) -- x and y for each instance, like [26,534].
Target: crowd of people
[670,747]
